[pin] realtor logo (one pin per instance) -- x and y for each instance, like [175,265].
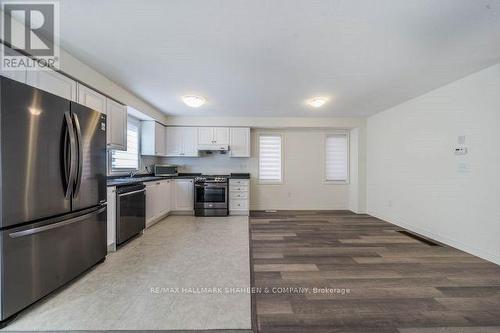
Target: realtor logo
[30,28]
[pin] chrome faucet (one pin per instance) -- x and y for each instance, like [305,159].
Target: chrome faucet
[133,173]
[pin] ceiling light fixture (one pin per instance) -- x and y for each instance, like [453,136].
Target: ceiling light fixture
[193,101]
[317,102]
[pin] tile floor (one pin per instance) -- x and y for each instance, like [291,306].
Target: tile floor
[178,252]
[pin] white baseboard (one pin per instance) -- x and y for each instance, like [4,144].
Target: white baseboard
[111,247]
[155,220]
[182,212]
[494,258]
[239,212]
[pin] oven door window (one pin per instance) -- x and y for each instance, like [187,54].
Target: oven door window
[210,194]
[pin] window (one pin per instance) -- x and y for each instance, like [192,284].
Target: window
[125,161]
[270,158]
[337,158]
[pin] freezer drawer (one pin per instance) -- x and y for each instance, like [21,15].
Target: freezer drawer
[39,258]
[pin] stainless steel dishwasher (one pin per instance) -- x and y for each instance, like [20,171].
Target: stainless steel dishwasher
[130,211]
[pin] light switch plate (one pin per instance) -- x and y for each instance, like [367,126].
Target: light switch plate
[460,150]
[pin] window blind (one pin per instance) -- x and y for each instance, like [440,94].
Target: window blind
[337,157]
[270,158]
[128,160]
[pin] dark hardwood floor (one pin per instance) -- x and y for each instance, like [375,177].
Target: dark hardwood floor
[370,278]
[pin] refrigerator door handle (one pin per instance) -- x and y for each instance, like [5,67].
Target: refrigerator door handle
[33,231]
[72,157]
[80,154]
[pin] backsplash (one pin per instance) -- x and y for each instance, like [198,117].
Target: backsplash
[149,162]
[215,163]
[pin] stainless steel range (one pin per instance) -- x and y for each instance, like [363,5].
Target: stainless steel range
[211,196]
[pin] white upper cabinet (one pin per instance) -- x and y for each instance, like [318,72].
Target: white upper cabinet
[239,144]
[173,141]
[91,98]
[116,119]
[181,141]
[116,115]
[153,139]
[205,135]
[18,75]
[53,82]
[189,141]
[213,135]
[221,135]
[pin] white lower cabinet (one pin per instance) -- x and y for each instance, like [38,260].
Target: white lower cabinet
[111,218]
[168,196]
[183,195]
[151,194]
[158,200]
[239,196]
[165,197]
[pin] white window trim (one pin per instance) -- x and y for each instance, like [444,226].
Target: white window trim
[124,172]
[271,182]
[337,182]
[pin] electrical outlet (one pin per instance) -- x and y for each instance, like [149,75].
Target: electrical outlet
[389,203]
[463,167]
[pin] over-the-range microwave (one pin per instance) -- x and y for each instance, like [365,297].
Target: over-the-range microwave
[165,170]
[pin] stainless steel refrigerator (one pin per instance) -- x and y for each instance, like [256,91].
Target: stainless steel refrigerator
[53,193]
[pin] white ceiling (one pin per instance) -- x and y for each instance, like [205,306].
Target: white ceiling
[265,57]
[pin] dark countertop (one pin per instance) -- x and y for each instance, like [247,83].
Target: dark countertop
[124,180]
[239,176]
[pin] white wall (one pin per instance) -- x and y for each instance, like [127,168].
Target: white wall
[270,122]
[74,67]
[303,139]
[415,180]
[303,170]
[354,194]
[303,175]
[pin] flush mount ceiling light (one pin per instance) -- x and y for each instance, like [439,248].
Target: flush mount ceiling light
[317,102]
[193,101]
